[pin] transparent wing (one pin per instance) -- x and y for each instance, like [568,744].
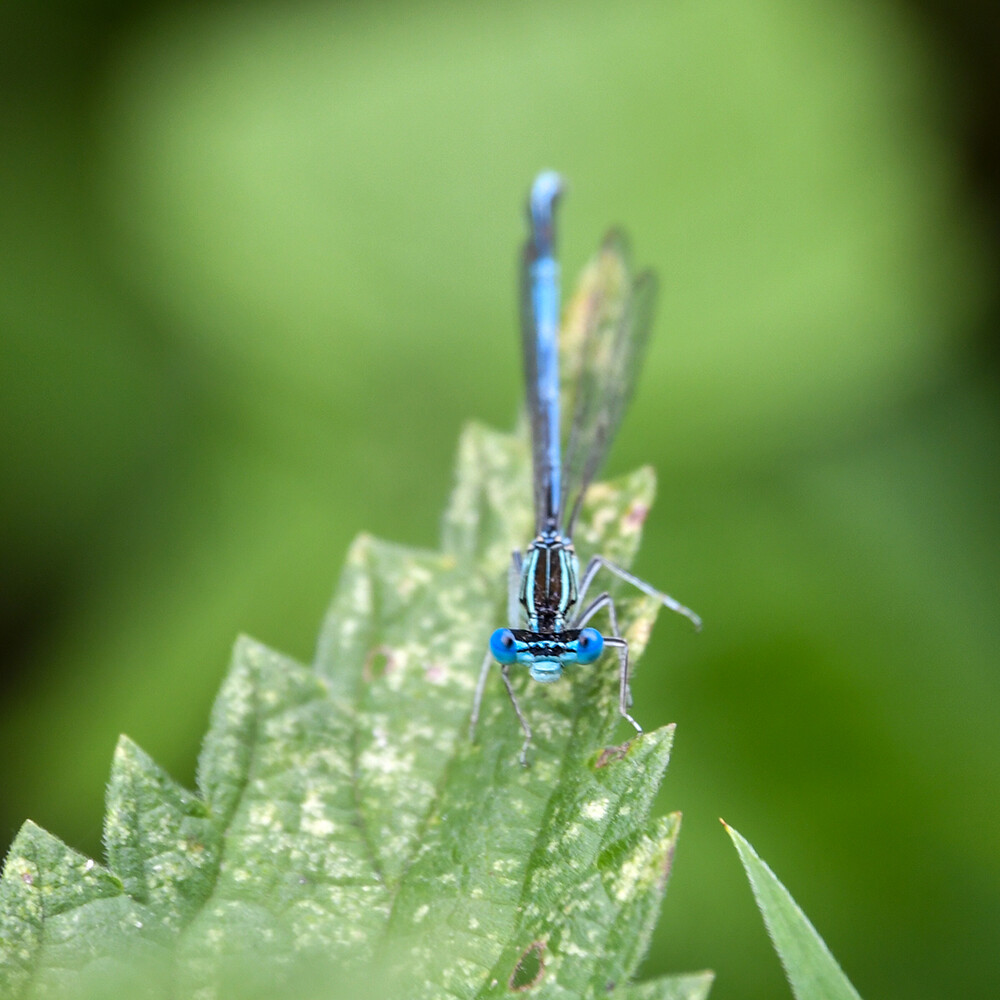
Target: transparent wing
[603,342]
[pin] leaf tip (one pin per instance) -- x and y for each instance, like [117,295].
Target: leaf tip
[740,842]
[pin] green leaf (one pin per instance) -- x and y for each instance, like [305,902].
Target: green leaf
[345,837]
[64,917]
[812,971]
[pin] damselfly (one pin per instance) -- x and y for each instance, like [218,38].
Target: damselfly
[547,578]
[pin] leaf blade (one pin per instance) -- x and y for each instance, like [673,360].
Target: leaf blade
[341,815]
[812,971]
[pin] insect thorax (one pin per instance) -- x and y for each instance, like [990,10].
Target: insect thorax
[549,582]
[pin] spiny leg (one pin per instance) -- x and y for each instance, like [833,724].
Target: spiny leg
[624,694]
[505,674]
[513,584]
[615,639]
[514,610]
[596,562]
[595,605]
[478,700]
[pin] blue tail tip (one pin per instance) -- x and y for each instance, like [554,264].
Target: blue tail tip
[545,189]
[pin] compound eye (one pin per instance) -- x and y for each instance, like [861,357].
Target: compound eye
[589,646]
[503,646]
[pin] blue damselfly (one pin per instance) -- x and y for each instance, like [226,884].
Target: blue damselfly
[549,588]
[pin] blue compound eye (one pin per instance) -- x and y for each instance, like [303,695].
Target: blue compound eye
[589,646]
[503,646]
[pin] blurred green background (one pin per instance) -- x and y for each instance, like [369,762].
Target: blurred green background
[259,266]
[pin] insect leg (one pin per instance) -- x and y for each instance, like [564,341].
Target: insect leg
[514,610]
[478,700]
[595,606]
[666,600]
[615,639]
[624,694]
[505,674]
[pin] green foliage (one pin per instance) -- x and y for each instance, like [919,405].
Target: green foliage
[812,971]
[346,838]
